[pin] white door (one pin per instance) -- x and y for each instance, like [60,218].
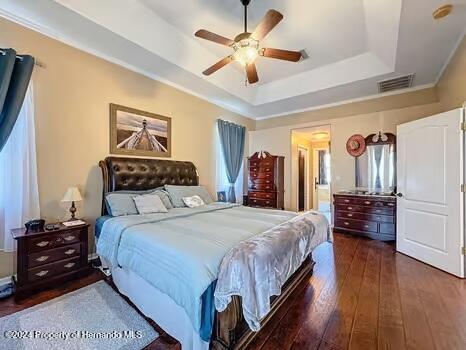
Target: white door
[429,178]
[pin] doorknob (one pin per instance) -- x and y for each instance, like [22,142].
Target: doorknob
[399,194]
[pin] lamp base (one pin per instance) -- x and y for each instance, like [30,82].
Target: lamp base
[72,211]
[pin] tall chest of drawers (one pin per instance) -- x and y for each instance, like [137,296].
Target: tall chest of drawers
[266,180]
[370,216]
[47,258]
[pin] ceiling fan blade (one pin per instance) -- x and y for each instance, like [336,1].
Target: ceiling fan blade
[271,19]
[205,34]
[218,65]
[293,56]
[251,72]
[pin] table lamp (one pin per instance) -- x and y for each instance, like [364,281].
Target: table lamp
[72,195]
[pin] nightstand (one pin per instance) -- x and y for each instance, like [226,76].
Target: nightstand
[47,258]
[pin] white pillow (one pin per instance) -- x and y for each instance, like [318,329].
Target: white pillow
[193,201]
[149,203]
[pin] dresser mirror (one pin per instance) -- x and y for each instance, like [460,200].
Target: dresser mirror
[376,167]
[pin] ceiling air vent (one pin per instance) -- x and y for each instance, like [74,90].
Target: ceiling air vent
[398,83]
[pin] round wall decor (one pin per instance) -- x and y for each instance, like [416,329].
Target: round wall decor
[356,145]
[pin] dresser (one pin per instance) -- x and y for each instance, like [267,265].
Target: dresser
[266,180]
[372,216]
[47,258]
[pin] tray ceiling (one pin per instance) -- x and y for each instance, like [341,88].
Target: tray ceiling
[351,44]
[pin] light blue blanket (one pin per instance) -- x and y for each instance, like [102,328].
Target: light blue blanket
[180,252]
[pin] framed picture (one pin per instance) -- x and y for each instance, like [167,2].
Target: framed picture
[221,196]
[138,133]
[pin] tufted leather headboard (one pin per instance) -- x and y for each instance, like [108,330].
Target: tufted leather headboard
[139,174]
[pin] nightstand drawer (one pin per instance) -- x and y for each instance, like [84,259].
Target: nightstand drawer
[53,241]
[51,255]
[45,271]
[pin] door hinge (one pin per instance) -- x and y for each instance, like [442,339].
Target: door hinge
[463,126]
[463,188]
[463,250]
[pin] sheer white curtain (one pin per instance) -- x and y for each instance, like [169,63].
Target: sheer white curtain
[221,178]
[19,194]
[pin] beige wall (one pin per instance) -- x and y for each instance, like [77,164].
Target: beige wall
[451,87]
[72,96]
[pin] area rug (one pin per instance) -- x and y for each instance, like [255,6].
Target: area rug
[93,317]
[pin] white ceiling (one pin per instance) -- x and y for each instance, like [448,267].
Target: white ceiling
[352,44]
[314,134]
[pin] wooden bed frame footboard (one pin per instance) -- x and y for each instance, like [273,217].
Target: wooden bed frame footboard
[231,331]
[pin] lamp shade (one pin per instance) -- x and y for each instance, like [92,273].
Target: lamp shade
[72,195]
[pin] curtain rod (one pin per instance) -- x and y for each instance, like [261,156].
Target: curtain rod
[37,63]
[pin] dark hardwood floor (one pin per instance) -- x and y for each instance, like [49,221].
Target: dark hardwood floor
[362,295]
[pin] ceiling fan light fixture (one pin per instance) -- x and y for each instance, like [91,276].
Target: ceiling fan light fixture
[246,51]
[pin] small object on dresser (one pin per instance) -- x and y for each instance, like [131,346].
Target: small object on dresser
[52,227]
[221,196]
[45,259]
[72,195]
[35,225]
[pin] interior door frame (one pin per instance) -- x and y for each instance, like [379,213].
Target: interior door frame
[306,177]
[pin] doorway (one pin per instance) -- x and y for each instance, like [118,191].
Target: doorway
[303,183]
[310,169]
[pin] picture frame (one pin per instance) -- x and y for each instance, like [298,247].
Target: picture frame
[221,196]
[134,132]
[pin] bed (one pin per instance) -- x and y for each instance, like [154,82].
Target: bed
[167,298]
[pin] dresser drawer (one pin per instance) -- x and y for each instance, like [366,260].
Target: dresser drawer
[262,195]
[255,176]
[350,207]
[51,255]
[346,200]
[262,181]
[375,203]
[53,241]
[254,202]
[380,210]
[387,228]
[262,187]
[46,271]
[364,216]
[359,225]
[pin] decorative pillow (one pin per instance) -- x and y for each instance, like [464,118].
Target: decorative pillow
[193,202]
[149,203]
[121,202]
[165,197]
[178,192]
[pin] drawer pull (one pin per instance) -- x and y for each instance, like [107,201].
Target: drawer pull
[378,211]
[350,215]
[267,169]
[42,243]
[346,200]
[346,223]
[69,265]
[42,273]
[70,251]
[391,204]
[350,208]
[267,181]
[367,202]
[69,238]
[267,202]
[42,258]
[366,226]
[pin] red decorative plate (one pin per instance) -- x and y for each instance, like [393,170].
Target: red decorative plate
[356,145]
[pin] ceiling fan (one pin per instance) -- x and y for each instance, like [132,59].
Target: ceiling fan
[246,45]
